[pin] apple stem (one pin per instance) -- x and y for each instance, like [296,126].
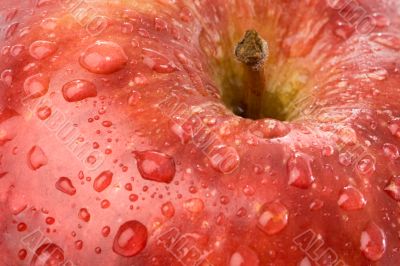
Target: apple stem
[252,52]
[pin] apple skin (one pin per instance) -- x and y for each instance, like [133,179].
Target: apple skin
[135,160]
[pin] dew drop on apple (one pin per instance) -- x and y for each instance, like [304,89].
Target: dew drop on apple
[158,62]
[105,204]
[84,215]
[387,39]
[373,242]
[17,50]
[351,199]
[64,184]
[103,57]
[244,256]
[50,220]
[7,77]
[48,254]
[78,244]
[224,159]
[393,188]
[273,218]
[36,158]
[49,24]
[134,98]
[194,205]
[42,49]
[22,254]
[36,86]
[316,205]
[300,173]
[249,190]
[394,127]
[78,90]
[102,181]
[43,112]
[155,166]
[130,239]
[391,151]
[168,210]
[378,74]
[11,29]
[305,262]
[269,129]
[366,166]
[105,231]
[22,227]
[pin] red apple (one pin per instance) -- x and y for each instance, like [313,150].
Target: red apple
[131,133]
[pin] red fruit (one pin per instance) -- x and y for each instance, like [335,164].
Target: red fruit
[212,132]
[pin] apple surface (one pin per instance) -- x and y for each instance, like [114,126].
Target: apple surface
[205,132]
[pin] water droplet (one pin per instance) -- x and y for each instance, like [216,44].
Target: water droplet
[194,205]
[17,50]
[224,159]
[168,210]
[305,262]
[78,90]
[394,127]
[351,199]
[105,204]
[97,250]
[300,173]
[48,254]
[107,123]
[10,15]
[366,166]
[391,151]
[393,188]
[348,135]
[131,239]
[64,184]
[36,86]
[22,254]
[11,29]
[43,112]
[274,218]
[42,49]
[134,98]
[50,220]
[378,74]
[133,197]
[155,166]
[224,200]
[22,227]
[381,20]
[343,30]
[345,158]
[7,77]
[269,129]
[103,57]
[244,256]
[126,28]
[105,231]
[249,190]
[316,205]
[102,181]
[84,215]
[49,24]
[387,39]
[79,244]
[158,62]
[373,242]
[327,151]
[36,158]
[160,24]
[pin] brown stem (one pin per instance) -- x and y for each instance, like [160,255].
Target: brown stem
[252,51]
